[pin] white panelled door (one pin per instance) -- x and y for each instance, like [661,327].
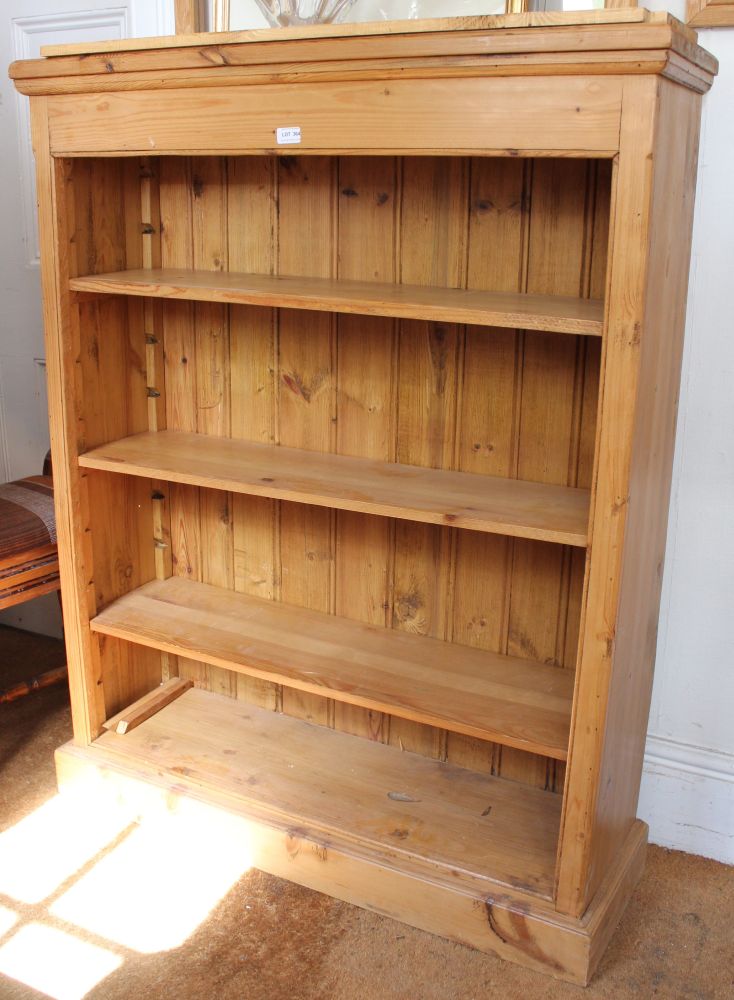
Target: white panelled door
[26,25]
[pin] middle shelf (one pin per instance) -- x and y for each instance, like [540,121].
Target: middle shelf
[506,699]
[494,504]
[521,310]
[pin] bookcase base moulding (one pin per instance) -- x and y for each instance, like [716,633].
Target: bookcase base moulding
[363,443]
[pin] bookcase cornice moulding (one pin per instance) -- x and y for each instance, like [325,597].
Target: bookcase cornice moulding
[363,349]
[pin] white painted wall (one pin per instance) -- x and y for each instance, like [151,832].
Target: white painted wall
[687,793]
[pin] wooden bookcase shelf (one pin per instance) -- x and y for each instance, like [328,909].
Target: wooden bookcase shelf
[285,381]
[554,313]
[492,697]
[464,829]
[434,496]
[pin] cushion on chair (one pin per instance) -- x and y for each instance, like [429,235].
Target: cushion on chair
[27,522]
[29,562]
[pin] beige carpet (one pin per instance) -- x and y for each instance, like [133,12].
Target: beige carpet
[267,939]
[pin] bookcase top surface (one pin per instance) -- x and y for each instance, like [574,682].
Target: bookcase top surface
[612,37]
[479,22]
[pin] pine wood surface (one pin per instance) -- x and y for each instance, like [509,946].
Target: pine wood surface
[710,13]
[414,600]
[134,715]
[654,361]
[362,364]
[579,173]
[561,314]
[462,500]
[623,42]
[100,682]
[663,61]
[470,691]
[104,206]
[505,921]
[415,561]
[647,296]
[567,116]
[381,28]
[189,17]
[461,826]
[88,697]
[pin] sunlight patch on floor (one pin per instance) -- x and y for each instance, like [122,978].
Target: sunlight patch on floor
[55,963]
[159,878]
[154,889]
[53,842]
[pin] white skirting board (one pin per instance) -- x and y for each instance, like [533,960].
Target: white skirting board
[687,798]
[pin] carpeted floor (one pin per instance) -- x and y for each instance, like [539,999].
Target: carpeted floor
[267,939]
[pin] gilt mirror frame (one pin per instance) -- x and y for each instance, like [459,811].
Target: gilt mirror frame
[710,13]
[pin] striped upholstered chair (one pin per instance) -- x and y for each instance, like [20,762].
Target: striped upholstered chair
[29,560]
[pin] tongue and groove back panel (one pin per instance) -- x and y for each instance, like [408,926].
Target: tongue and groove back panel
[498,402]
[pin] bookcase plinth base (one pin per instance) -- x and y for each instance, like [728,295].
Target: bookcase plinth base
[509,924]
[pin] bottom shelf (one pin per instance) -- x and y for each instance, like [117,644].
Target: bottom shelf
[396,809]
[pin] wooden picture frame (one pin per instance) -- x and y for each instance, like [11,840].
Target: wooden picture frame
[710,13]
[220,11]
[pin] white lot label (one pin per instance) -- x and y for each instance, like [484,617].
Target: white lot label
[288,136]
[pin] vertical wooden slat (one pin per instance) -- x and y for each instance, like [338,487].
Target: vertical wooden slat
[150,222]
[211,326]
[306,392]
[548,428]
[433,252]
[180,372]
[488,417]
[365,402]
[178,319]
[143,249]
[252,234]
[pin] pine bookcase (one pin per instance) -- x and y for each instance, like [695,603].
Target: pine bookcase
[363,444]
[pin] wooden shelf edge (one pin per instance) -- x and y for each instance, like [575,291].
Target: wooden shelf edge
[502,699]
[490,504]
[550,313]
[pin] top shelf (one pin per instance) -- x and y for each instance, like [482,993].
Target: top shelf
[551,313]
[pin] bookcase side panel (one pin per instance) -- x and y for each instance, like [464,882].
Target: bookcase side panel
[640,375]
[674,183]
[97,390]
[62,346]
[105,231]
